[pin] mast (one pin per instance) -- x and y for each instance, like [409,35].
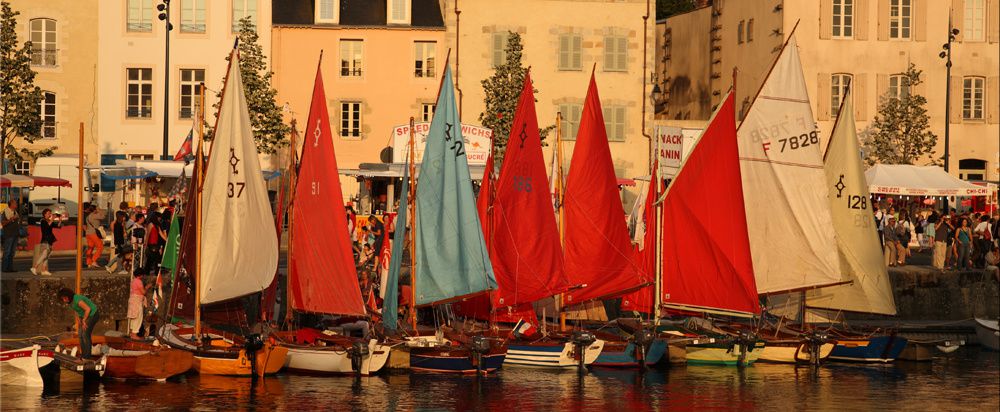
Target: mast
[412,237]
[79,215]
[199,163]
[292,175]
[559,220]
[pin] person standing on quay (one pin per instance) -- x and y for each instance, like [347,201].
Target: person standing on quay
[45,245]
[891,236]
[136,304]
[86,315]
[11,221]
[984,238]
[963,239]
[941,242]
[95,244]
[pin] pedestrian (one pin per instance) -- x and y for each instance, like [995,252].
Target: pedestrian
[49,220]
[941,242]
[984,238]
[891,236]
[904,230]
[378,233]
[86,316]
[993,261]
[963,240]
[95,235]
[121,244]
[154,244]
[137,237]
[136,304]
[879,224]
[11,232]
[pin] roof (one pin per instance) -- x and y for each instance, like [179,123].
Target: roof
[366,13]
[912,180]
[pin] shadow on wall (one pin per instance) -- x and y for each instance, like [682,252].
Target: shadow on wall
[688,102]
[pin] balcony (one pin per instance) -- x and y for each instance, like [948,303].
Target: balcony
[139,112]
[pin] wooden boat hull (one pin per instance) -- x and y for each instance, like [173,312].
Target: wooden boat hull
[330,360]
[139,360]
[722,354]
[876,349]
[269,360]
[622,355]
[445,359]
[21,367]
[792,352]
[552,354]
[988,334]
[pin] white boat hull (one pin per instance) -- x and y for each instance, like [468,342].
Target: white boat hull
[709,355]
[319,360]
[20,366]
[549,356]
[988,332]
[792,354]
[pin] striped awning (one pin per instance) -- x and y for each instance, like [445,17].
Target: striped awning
[12,180]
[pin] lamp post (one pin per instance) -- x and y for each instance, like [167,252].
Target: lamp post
[946,54]
[164,8]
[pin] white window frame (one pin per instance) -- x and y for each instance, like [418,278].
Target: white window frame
[973,98]
[900,19]
[43,50]
[241,9]
[571,113]
[193,16]
[47,111]
[188,88]
[899,86]
[842,19]
[350,120]
[397,12]
[614,122]
[966,173]
[498,44]
[615,54]
[352,57]
[22,168]
[570,56]
[333,17]
[974,27]
[142,109]
[139,16]
[427,111]
[839,83]
[424,59]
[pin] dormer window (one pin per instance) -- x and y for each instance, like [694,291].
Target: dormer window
[398,12]
[327,11]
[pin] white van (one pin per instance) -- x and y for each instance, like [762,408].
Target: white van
[62,200]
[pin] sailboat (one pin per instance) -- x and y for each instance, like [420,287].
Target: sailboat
[234,242]
[322,276]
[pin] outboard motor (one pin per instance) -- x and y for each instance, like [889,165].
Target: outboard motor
[358,352]
[815,339]
[253,343]
[642,339]
[480,346]
[746,341]
[581,340]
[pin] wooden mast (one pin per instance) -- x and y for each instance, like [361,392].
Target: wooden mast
[413,224]
[199,164]
[292,180]
[558,189]
[79,215]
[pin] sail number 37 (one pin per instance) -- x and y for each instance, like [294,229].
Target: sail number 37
[235,189]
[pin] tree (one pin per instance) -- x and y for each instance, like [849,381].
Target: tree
[269,132]
[19,97]
[667,8]
[502,92]
[900,133]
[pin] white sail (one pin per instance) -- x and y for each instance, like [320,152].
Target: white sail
[860,252]
[239,246]
[788,214]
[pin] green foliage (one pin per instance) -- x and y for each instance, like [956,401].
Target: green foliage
[667,8]
[269,132]
[900,132]
[19,97]
[502,91]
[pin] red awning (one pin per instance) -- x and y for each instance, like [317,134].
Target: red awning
[624,181]
[12,180]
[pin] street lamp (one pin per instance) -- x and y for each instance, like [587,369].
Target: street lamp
[164,8]
[946,54]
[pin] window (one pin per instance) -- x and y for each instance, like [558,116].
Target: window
[241,9]
[22,168]
[399,12]
[326,11]
[739,33]
[972,169]
[499,42]
[351,54]
[570,51]
[838,88]
[423,61]
[899,19]
[973,28]
[570,120]
[614,123]
[427,111]
[192,16]
[43,42]
[139,156]
[899,86]
[972,98]
[139,94]
[749,30]
[615,54]
[350,120]
[191,80]
[843,18]
[47,109]
[140,16]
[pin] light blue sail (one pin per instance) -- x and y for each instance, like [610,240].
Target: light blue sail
[390,304]
[452,260]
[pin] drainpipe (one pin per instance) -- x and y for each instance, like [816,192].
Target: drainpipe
[458,87]
[645,40]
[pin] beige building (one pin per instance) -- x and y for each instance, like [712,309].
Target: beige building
[864,43]
[64,59]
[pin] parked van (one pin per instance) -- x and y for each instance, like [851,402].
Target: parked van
[62,200]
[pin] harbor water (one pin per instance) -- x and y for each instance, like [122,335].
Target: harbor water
[965,380]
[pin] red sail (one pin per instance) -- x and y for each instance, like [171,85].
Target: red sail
[706,247]
[598,250]
[642,299]
[323,277]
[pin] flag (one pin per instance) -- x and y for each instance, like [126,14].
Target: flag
[384,257]
[170,254]
[523,328]
[185,149]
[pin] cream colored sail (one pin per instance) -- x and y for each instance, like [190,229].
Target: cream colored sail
[788,214]
[238,242]
[857,238]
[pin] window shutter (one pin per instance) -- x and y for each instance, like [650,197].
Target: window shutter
[563,52]
[881,87]
[823,97]
[861,19]
[958,17]
[919,20]
[825,19]
[883,20]
[993,24]
[956,99]
[859,89]
[577,52]
[623,53]
[992,102]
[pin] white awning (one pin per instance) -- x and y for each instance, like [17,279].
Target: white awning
[396,170]
[165,168]
[909,180]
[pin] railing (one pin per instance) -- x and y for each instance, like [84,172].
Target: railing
[43,57]
[143,112]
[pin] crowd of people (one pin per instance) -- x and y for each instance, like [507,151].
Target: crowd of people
[957,241]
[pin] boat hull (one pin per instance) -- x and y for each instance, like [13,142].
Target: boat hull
[722,354]
[556,355]
[876,349]
[792,352]
[269,360]
[128,359]
[988,334]
[21,367]
[452,360]
[623,356]
[328,360]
